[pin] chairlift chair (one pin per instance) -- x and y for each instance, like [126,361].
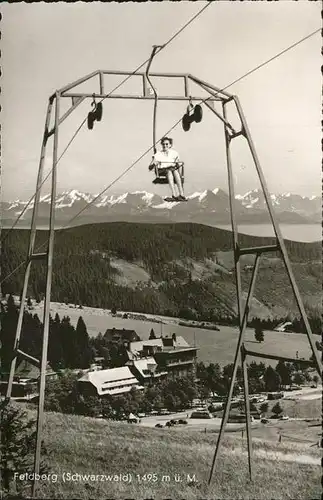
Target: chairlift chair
[161,173]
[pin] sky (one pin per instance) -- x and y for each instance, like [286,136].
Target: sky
[46,46]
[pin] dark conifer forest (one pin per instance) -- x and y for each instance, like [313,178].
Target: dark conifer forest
[83,270]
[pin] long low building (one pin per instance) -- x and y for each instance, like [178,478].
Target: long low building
[110,382]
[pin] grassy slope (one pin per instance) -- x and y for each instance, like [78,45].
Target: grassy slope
[86,445]
[299,408]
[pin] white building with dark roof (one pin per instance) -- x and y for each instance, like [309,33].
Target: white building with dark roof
[143,348]
[140,348]
[146,370]
[173,355]
[110,382]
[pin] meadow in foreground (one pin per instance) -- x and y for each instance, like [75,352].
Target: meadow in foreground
[88,446]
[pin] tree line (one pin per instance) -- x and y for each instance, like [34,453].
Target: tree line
[68,347]
[261,378]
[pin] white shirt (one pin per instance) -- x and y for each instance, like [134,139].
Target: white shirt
[167,158]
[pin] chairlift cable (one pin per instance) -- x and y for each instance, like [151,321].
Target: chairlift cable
[172,128]
[108,95]
[272,58]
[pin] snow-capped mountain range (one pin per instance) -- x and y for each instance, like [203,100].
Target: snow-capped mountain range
[206,207]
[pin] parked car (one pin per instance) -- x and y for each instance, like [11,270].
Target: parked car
[264,420]
[215,407]
[133,419]
[182,421]
[200,414]
[197,403]
[169,424]
[159,426]
[284,417]
[174,422]
[164,411]
[275,395]
[218,399]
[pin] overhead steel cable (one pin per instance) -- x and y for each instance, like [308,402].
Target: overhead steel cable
[273,58]
[106,97]
[172,128]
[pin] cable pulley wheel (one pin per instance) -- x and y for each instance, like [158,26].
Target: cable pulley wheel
[90,120]
[186,122]
[198,113]
[98,111]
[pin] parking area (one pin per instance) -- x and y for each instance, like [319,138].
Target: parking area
[305,393]
[214,423]
[192,423]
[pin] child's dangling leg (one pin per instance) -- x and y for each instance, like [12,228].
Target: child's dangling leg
[179,185]
[171,183]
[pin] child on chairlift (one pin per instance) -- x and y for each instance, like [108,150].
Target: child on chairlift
[168,158]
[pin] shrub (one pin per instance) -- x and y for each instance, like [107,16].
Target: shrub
[277,409]
[18,441]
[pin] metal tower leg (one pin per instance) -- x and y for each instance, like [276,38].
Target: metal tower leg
[30,254]
[238,277]
[238,289]
[233,218]
[234,374]
[247,408]
[50,251]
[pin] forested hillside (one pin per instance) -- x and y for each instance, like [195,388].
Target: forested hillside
[187,268]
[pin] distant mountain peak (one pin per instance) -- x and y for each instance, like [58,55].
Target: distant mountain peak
[197,194]
[246,195]
[203,206]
